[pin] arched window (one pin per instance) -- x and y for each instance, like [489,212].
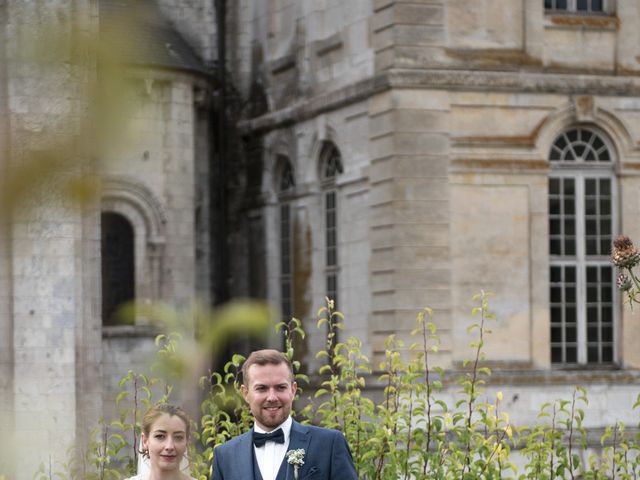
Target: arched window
[118,267]
[582,216]
[331,167]
[286,185]
[133,225]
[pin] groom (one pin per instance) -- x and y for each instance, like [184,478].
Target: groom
[260,454]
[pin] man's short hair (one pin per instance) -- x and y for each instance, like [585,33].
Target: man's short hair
[265,357]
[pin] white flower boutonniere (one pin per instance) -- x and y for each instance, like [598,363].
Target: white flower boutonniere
[296,458]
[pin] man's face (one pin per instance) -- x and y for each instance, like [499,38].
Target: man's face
[269,391]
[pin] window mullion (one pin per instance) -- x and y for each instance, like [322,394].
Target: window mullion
[581,271]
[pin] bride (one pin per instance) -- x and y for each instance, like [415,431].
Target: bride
[165,436]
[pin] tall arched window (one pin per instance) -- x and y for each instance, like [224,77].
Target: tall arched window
[118,267]
[331,167]
[582,199]
[133,238]
[286,185]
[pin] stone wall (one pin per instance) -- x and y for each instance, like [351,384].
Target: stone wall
[445,127]
[59,366]
[51,245]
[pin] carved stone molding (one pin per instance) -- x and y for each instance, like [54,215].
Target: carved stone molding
[585,108]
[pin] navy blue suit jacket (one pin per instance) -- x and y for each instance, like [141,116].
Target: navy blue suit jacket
[327,456]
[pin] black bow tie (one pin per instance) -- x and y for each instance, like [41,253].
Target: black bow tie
[259,439]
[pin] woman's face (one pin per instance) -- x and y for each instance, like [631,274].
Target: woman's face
[167,442]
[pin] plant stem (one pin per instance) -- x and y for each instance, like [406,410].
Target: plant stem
[425,349]
[573,405]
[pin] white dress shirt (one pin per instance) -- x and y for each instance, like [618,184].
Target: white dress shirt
[271,454]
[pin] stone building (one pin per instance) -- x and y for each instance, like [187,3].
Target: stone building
[390,154]
[408,154]
[65,266]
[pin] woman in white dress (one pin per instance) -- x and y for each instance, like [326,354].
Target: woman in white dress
[165,436]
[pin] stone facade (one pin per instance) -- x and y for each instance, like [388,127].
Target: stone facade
[444,114]
[393,153]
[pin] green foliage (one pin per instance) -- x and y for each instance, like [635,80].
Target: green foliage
[399,428]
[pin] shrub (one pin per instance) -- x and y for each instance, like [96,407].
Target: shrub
[410,433]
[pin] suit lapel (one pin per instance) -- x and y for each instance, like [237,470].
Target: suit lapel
[299,438]
[244,460]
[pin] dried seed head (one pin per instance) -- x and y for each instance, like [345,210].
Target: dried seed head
[625,254]
[624,282]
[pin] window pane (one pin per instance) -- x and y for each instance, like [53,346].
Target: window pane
[331,257]
[569,206]
[118,267]
[330,200]
[331,218]
[331,238]
[570,274]
[597,144]
[572,354]
[569,186]
[581,5]
[569,246]
[569,227]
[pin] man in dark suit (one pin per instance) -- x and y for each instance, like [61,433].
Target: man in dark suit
[262,453]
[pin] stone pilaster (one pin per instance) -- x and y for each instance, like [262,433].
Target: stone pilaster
[409,210]
[408,34]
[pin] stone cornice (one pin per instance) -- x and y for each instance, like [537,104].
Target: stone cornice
[308,108]
[529,82]
[457,80]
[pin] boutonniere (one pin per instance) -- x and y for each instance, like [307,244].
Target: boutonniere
[296,458]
